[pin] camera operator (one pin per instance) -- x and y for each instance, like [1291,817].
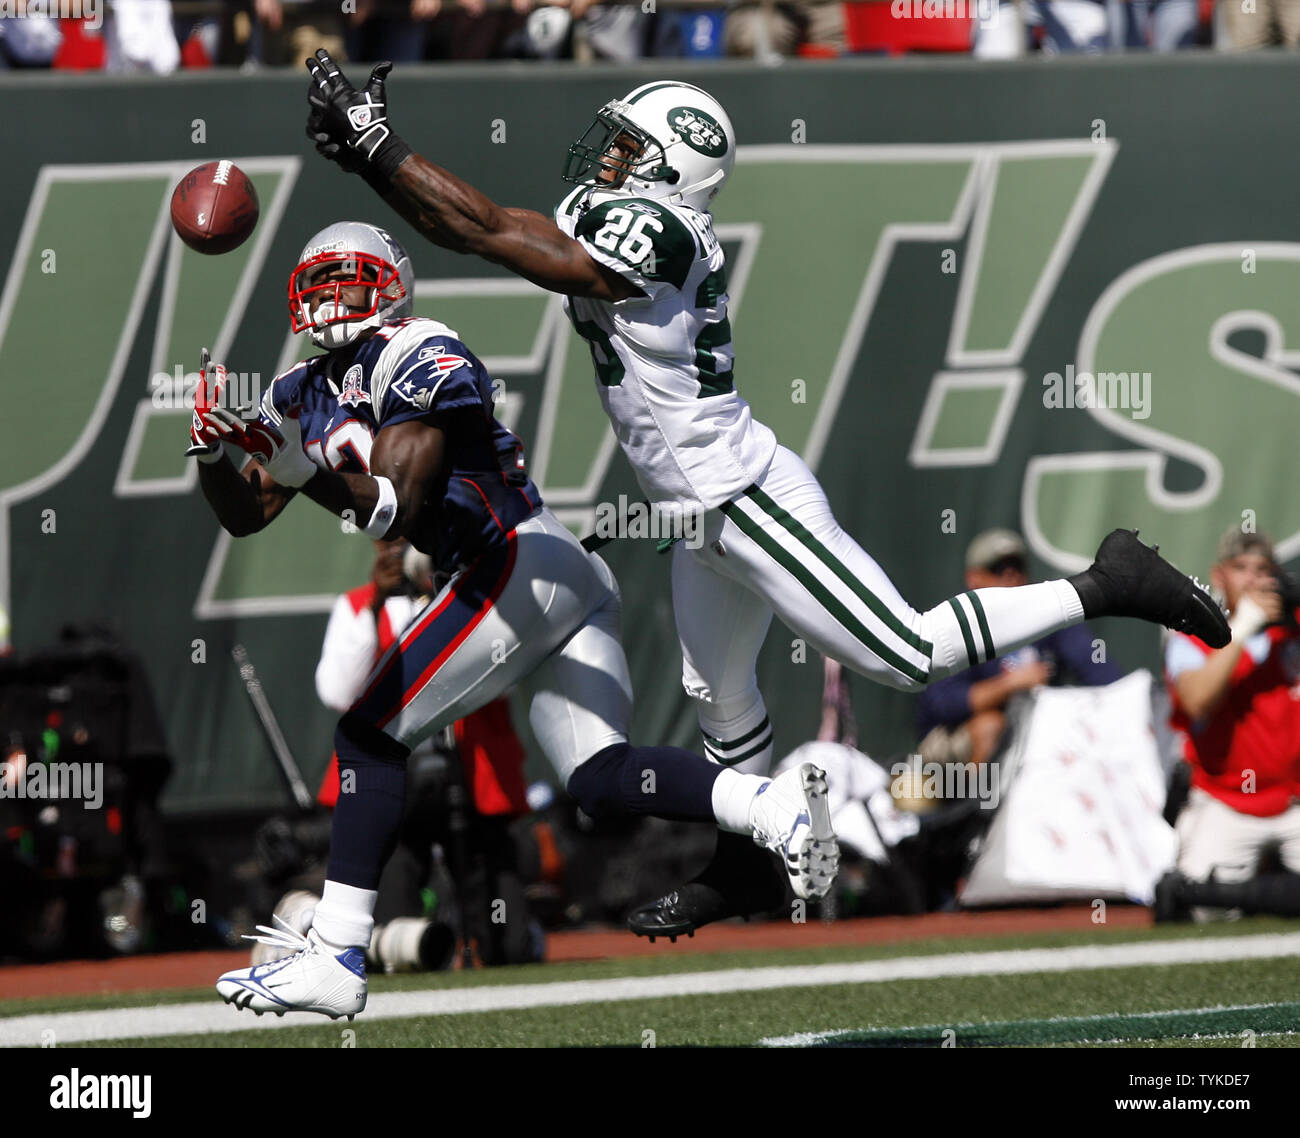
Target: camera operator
[1239,708]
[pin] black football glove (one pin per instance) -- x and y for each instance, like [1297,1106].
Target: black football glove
[351,127]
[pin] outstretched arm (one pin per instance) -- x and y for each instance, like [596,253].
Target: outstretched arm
[406,467]
[245,498]
[452,213]
[351,127]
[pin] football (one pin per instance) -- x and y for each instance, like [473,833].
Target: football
[214,207]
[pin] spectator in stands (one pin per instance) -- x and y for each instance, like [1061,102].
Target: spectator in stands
[288,31]
[1239,708]
[962,718]
[1155,25]
[140,38]
[28,41]
[200,32]
[689,32]
[1260,23]
[616,32]
[391,29]
[1054,27]
[474,29]
[780,29]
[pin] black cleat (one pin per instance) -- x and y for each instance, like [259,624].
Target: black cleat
[1131,579]
[742,880]
[680,913]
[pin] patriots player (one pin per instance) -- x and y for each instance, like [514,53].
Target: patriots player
[633,251]
[392,429]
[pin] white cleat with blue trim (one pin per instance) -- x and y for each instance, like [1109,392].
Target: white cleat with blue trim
[315,978]
[791,816]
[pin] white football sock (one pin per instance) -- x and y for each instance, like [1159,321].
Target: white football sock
[986,623]
[345,916]
[733,793]
[737,733]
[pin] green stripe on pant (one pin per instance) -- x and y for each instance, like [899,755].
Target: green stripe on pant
[823,595]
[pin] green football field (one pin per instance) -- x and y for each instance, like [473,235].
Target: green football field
[1229,985]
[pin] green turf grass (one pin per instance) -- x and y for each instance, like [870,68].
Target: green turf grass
[668,961]
[985,1010]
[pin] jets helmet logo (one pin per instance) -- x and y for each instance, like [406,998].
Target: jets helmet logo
[699,130]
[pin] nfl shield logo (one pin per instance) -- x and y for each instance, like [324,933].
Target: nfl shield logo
[353,394]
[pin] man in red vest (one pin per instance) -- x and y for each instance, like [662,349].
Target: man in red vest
[1239,709]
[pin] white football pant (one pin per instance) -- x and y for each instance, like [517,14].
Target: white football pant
[777,549]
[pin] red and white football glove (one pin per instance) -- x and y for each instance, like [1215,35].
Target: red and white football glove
[278,451]
[205,441]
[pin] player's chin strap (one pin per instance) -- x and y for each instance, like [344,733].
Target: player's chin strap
[332,329]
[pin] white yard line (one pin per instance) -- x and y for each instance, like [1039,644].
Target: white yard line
[213,1017]
[814,1038]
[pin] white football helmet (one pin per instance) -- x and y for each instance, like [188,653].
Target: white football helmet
[668,141]
[356,277]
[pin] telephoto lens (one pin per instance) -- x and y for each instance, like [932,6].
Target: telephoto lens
[411,944]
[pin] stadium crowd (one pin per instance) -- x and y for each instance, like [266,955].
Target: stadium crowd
[160,36]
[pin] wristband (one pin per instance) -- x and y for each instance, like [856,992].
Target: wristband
[379,171]
[385,509]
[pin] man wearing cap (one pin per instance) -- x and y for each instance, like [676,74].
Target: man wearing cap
[961,718]
[1239,710]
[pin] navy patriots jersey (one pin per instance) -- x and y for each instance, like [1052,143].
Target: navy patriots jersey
[415,369]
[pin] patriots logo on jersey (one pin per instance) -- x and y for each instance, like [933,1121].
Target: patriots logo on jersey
[442,362]
[353,394]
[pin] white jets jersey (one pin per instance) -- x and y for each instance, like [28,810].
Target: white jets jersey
[664,361]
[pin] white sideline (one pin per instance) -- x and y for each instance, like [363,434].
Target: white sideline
[812,1038]
[214,1017]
